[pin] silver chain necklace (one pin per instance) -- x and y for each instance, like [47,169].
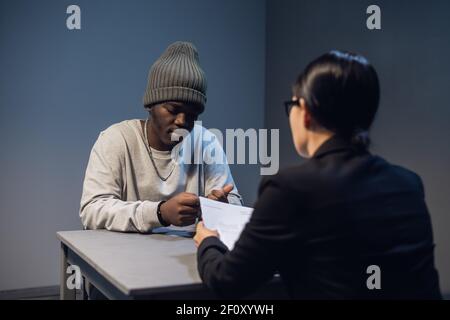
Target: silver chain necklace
[151,155]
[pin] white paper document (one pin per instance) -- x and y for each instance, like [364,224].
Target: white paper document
[229,220]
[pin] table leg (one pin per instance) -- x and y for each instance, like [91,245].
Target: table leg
[64,292]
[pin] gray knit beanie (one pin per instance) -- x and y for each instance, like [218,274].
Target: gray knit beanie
[176,76]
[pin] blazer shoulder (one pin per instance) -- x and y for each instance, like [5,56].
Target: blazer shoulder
[408,176]
[400,175]
[286,178]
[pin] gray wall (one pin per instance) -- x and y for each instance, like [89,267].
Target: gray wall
[410,54]
[60,88]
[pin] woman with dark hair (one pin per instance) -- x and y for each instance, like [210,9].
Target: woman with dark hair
[345,224]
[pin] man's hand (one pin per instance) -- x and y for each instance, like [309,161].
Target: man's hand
[221,194]
[181,210]
[203,233]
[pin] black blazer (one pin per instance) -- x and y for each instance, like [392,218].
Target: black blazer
[323,223]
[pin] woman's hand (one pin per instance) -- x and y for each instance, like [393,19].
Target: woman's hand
[203,233]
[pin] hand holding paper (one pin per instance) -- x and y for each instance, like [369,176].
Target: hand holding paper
[229,220]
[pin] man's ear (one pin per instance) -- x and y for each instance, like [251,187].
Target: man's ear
[150,109]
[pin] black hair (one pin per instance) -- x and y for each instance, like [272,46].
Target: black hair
[342,93]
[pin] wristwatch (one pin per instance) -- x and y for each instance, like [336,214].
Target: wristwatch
[159,215]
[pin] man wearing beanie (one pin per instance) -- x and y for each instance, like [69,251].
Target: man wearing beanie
[133,181]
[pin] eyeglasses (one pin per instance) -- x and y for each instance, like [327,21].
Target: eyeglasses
[288,105]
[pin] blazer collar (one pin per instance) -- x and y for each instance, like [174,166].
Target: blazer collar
[334,144]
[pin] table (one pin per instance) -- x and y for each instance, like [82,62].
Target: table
[139,266]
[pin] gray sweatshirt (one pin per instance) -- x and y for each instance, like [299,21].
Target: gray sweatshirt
[121,188]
